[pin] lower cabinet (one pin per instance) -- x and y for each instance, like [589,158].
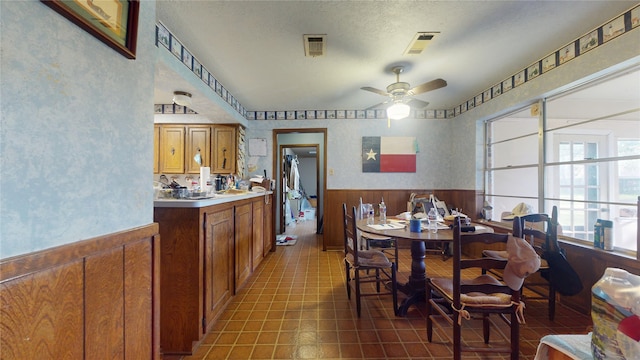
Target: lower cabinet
[206,255]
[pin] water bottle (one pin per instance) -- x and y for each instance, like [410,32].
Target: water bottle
[370,215]
[432,216]
[383,212]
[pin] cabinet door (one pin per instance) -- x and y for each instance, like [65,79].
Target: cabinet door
[258,231]
[198,142]
[224,150]
[172,149]
[218,263]
[156,148]
[243,225]
[269,235]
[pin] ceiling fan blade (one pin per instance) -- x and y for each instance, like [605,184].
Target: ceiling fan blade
[379,105]
[418,104]
[377,91]
[428,86]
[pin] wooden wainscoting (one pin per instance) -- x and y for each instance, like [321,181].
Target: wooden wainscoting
[470,201]
[92,299]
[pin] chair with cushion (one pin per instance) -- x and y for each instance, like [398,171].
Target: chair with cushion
[536,228]
[358,263]
[466,296]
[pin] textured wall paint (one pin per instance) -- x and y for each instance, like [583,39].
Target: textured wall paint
[76,134]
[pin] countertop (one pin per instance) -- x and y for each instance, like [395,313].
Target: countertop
[214,200]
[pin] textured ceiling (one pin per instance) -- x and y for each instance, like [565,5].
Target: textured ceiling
[255,48]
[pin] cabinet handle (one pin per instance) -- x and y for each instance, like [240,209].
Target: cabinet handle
[173,151]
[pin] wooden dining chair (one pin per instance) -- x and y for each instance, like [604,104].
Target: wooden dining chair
[541,230]
[359,262]
[466,296]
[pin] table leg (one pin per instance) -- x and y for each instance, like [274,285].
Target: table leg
[415,287]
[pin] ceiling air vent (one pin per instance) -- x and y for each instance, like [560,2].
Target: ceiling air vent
[419,43]
[315,45]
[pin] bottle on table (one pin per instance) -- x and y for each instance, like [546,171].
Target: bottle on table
[383,212]
[432,216]
[370,214]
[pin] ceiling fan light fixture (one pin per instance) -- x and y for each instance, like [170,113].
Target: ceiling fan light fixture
[398,111]
[182,98]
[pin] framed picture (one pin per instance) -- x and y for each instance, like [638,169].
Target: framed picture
[271,115]
[291,115]
[197,68]
[496,90]
[486,96]
[470,104]
[340,114]
[507,85]
[280,115]
[187,58]
[321,114]
[613,29]
[178,109]
[588,42]
[567,53]
[205,76]
[478,99]
[381,113]
[251,115]
[351,114]
[157,109]
[218,88]
[450,113]
[162,36]
[431,114]
[311,114]
[113,22]
[360,114]
[548,63]
[331,114]
[301,115]
[533,71]
[176,48]
[259,115]
[635,17]
[421,114]
[167,109]
[518,79]
[440,114]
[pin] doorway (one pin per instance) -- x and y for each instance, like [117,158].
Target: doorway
[300,142]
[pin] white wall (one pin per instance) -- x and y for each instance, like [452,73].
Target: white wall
[76,139]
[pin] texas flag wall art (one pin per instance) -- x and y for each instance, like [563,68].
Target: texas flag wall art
[388,154]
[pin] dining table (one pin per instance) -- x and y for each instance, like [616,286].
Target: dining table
[414,288]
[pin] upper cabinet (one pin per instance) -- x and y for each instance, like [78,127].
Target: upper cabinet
[198,148]
[171,149]
[183,149]
[224,150]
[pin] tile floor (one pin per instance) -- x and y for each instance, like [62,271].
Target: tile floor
[295,307]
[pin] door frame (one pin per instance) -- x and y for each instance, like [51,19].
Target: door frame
[282,200]
[321,167]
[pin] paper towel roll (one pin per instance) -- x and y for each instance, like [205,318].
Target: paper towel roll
[205,181]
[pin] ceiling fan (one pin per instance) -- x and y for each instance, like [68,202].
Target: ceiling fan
[399,93]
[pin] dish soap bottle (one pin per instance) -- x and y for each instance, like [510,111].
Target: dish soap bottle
[383,212]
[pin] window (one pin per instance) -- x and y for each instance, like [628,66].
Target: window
[582,154]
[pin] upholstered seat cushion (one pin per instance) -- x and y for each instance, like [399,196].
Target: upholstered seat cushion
[504,255]
[370,258]
[474,299]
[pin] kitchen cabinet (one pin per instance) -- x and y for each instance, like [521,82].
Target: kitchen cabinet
[198,142]
[172,149]
[206,254]
[218,261]
[258,232]
[178,144]
[243,243]
[156,148]
[224,150]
